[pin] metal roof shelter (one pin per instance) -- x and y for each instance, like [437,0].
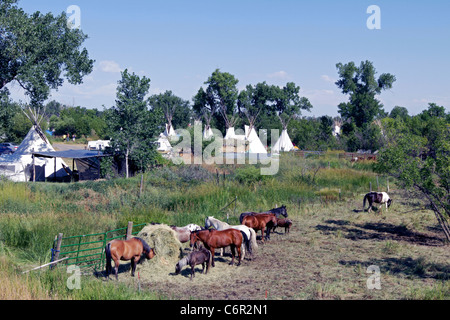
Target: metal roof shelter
[88,162]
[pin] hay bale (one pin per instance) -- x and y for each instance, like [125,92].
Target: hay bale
[168,249]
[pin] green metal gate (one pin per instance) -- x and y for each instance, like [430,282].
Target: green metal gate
[88,251]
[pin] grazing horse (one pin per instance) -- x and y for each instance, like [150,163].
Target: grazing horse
[260,222]
[213,239]
[277,211]
[249,241]
[125,250]
[284,223]
[184,233]
[377,197]
[202,256]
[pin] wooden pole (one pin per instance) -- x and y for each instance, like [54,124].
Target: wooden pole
[34,169]
[142,183]
[129,230]
[58,249]
[47,264]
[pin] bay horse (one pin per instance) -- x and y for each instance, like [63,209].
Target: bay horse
[125,250]
[260,222]
[249,243]
[213,239]
[277,211]
[377,197]
[202,256]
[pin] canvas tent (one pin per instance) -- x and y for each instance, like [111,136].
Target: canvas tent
[230,134]
[169,132]
[164,144]
[19,166]
[254,143]
[87,162]
[283,143]
[207,133]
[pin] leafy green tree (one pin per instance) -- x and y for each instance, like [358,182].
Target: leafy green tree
[256,100]
[38,51]
[289,104]
[222,92]
[400,112]
[204,107]
[421,163]
[131,125]
[362,86]
[176,110]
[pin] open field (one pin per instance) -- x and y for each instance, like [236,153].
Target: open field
[325,256]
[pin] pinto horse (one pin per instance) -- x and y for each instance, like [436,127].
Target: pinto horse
[125,250]
[184,233]
[260,222]
[277,211]
[377,197]
[213,239]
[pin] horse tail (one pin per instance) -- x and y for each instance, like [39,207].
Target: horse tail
[108,259]
[245,240]
[253,243]
[364,201]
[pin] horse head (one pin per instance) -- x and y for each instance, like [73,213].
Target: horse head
[151,253]
[284,211]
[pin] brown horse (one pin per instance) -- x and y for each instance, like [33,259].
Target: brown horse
[213,239]
[283,223]
[126,250]
[260,222]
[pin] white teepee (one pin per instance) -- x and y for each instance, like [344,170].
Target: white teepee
[254,143]
[19,165]
[169,133]
[207,133]
[164,144]
[284,143]
[232,135]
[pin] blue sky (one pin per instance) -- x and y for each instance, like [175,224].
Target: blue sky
[178,44]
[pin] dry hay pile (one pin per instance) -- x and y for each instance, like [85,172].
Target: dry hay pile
[167,247]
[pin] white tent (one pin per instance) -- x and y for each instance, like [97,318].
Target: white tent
[254,143]
[19,165]
[207,133]
[284,143]
[164,144]
[232,135]
[169,133]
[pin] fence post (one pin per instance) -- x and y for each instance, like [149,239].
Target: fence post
[129,230]
[387,179]
[57,249]
[370,183]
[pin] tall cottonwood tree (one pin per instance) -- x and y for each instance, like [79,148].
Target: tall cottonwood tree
[132,126]
[38,51]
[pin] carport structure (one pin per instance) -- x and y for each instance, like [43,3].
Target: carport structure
[87,162]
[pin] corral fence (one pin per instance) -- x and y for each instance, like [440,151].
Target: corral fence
[88,251]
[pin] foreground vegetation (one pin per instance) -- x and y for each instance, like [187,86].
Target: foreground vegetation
[314,191]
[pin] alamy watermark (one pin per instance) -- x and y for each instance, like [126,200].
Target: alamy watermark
[73,17]
[374,281]
[374,20]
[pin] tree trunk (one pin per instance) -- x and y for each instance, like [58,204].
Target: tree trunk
[126,163]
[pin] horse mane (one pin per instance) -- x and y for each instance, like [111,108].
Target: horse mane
[144,244]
